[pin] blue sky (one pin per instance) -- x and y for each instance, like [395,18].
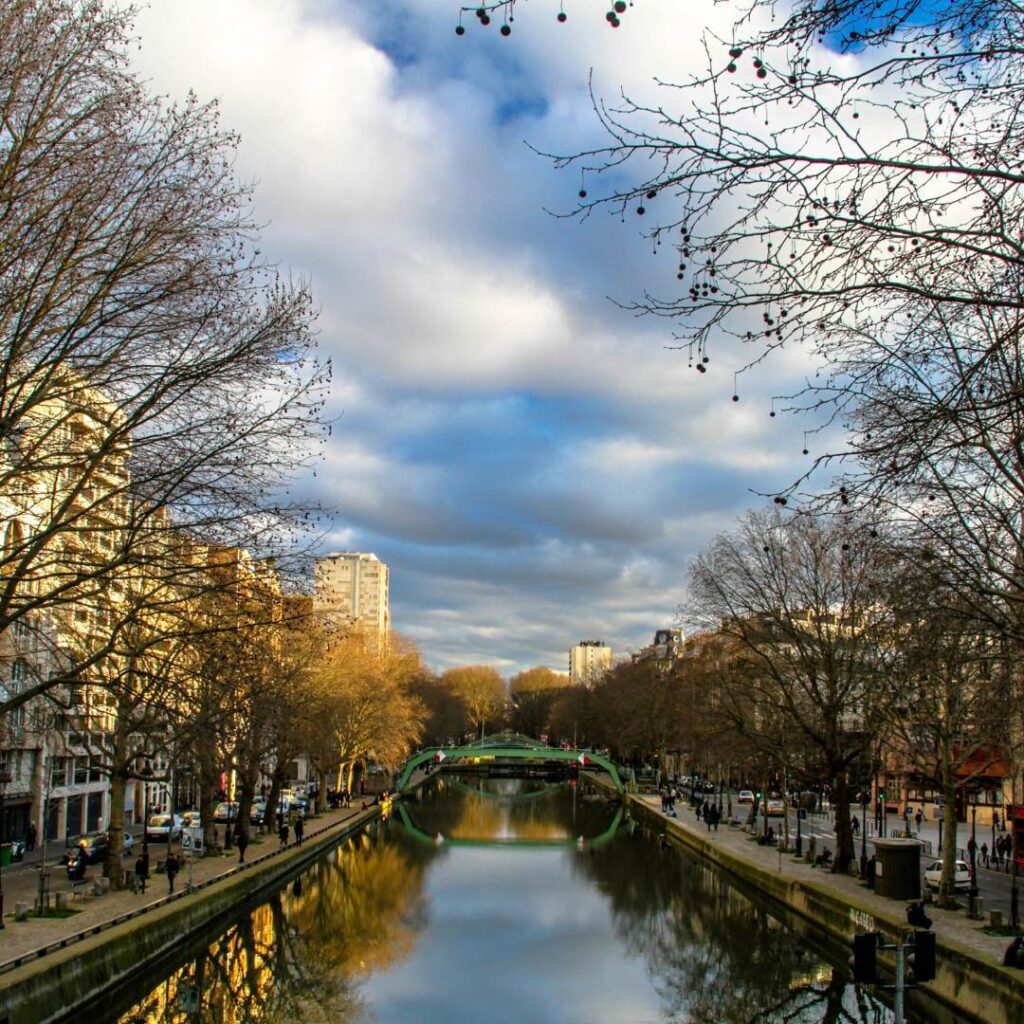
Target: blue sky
[534,463]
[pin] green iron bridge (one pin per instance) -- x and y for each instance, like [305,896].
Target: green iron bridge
[505,750]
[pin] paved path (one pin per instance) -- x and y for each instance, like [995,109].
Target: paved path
[21,883]
[952,926]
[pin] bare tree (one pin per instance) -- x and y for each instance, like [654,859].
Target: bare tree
[152,362]
[799,599]
[362,705]
[533,693]
[483,690]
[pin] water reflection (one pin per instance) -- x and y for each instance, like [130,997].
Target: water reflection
[521,911]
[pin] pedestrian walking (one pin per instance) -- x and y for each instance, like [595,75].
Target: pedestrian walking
[242,841]
[919,817]
[282,833]
[698,810]
[972,848]
[995,820]
[141,874]
[171,867]
[984,854]
[855,826]
[300,829]
[31,836]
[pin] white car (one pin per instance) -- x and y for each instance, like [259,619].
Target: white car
[776,808]
[961,876]
[746,796]
[163,828]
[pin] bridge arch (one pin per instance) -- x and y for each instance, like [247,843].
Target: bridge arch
[503,752]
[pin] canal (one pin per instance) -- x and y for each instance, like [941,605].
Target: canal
[500,900]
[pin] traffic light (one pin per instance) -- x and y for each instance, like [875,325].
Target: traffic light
[864,959]
[922,961]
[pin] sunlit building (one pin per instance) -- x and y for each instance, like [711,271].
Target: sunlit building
[588,661]
[351,591]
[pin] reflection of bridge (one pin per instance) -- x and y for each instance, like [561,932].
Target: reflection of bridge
[506,750]
[580,842]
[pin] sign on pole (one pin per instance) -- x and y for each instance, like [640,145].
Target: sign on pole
[192,841]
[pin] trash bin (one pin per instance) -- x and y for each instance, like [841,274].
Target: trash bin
[898,868]
[6,857]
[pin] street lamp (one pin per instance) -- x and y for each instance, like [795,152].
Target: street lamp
[5,778]
[147,774]
[864,832]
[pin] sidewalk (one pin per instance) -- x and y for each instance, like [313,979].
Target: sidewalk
[952,926]
[21,937]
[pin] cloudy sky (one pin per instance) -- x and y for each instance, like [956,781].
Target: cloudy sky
[536,465]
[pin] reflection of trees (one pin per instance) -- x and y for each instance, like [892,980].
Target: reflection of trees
[453,809]
[295,957]
[715,956]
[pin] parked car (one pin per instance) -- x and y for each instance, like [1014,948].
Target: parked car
[191,819]
[163,828]
[746,796]
[961,876]
[291,800]
[94,847]
[258,812]
[225,813]
[776,808]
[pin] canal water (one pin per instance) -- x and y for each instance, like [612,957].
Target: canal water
[503,901]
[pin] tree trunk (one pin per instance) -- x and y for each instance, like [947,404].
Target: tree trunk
[844,833]
[115,832]
[947,884]
[274,796]
[207,776]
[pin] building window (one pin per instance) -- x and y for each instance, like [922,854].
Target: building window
[19,674]
[81,771]
[58,772]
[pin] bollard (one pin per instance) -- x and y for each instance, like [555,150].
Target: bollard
[61,900]
[21,911]
[995,919]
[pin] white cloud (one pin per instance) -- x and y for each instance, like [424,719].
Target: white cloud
[533,462]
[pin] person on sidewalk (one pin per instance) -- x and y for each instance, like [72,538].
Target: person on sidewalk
[242,842]
[916,917]
[299,830]
[984,854]
[31,836]
[282,832]
[141,873]
[918,818]
[171,867]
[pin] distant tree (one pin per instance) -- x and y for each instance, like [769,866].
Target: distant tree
[533,694]
[362,705]
[447,716]
[483,691]
[639,711]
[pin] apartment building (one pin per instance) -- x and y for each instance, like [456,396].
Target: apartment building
[351,591]
[62,513]
[588,661]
